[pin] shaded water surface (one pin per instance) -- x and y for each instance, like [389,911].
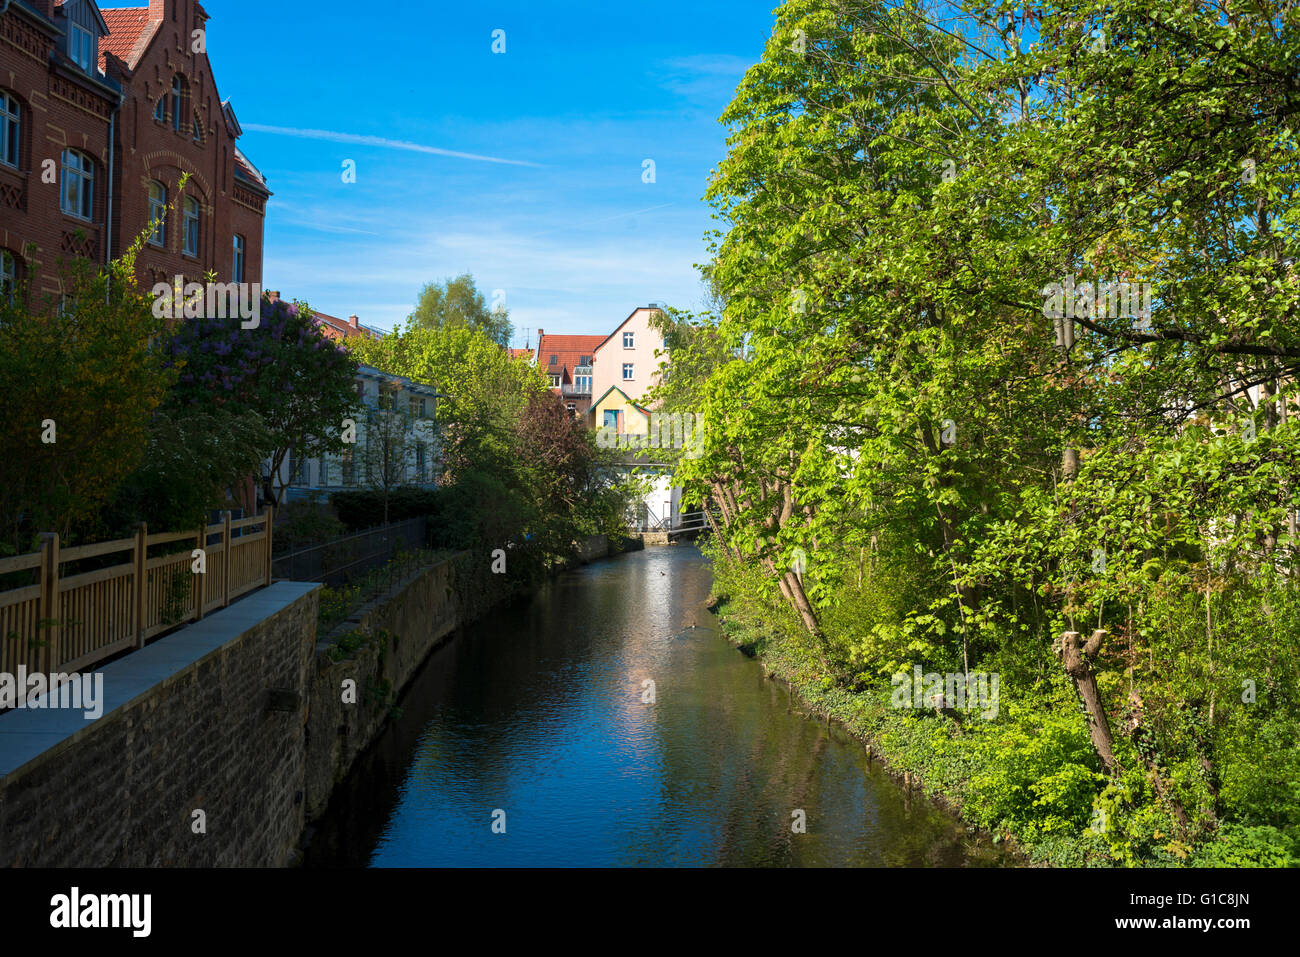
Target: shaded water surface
[537,711]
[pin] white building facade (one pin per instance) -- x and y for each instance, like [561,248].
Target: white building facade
[395,417]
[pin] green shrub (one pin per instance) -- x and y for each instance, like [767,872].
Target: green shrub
[364,508]
[1238,845]
[302,524]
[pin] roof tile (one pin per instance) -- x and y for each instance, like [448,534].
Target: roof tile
[568,352]
[126,32]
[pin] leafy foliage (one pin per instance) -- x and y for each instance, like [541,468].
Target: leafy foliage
[458,302]
[967,470]
[78,383]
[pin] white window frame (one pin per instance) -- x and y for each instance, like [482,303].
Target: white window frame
[11,126]
[629,340]
[78,171]
[555,381]
[190,234]
[81,47]
[158,213]
[629,372]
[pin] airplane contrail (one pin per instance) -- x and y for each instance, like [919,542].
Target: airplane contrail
[380,141]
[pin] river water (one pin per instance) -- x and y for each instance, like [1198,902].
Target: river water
[530,739]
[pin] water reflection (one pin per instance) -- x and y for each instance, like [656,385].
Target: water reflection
[538,711]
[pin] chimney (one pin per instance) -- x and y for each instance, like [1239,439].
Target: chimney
[352,321]
[158,9]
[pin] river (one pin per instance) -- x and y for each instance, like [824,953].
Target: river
[530,739]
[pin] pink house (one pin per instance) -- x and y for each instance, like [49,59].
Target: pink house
[626,357]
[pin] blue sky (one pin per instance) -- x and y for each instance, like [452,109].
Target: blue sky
[583,94]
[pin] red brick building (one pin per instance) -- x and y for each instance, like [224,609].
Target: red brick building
[75,77]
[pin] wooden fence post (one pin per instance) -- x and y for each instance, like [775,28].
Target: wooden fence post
[270,523]
[141,580]
[200,578]
[50,611]
[225,558]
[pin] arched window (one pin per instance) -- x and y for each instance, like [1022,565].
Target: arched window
[191,226]
[10,126]
[8,275]
[77,191]
[179,91]
[158,213]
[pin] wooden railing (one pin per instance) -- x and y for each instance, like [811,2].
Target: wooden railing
[69,623]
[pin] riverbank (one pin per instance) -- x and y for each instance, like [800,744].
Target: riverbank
[906,747]
[1003,777]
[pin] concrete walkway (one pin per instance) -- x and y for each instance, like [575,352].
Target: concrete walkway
[27,733]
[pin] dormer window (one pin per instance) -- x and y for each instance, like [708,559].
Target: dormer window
[554,359]
[81,47]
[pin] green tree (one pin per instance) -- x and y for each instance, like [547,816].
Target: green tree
[1058,483]
[389,445]
[458,302]
[486,390]
[79,380]
[286,370]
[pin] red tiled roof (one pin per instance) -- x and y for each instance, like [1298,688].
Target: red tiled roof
[337,328]
[568,351]
[520,353]
[128,33]
[245,166]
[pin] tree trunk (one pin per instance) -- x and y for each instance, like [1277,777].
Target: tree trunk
[1075,657]
[802,605]
[1141,738]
